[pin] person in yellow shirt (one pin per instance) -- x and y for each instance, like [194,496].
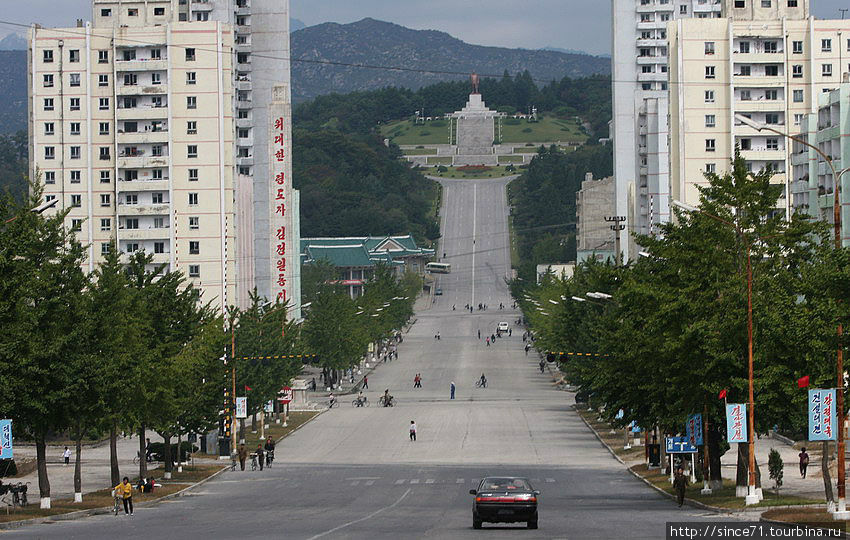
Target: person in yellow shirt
[124,490]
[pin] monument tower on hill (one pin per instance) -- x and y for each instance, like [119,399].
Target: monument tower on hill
[475,131]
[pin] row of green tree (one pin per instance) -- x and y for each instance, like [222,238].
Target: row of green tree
[543,202]
[673,333]
[361,112]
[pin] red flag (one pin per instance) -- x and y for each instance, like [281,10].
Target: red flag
[803,382]
[247,388]
[722,394]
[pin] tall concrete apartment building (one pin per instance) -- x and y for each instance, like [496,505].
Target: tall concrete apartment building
[149,123]
[766,60]
[640,110]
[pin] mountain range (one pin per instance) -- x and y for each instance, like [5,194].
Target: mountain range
[423,57]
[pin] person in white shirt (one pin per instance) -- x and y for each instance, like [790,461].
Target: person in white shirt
[67,455]
[412,430]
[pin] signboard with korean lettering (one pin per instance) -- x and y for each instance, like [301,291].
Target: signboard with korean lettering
[823,423]
[736,422]
[6,439]
[693,429]
[241,407]
[679,445]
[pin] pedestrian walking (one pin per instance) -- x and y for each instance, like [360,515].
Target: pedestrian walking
[488,341]
[527,346]
[479,333]
[680,482]
[365,383]
[125,491]
[452,390]
[261,454]
[67,455]
[510,332]
[417,381]
[412,430]
[804,462]
[243,455]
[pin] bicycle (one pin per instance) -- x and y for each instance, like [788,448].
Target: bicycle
[333,403]
[387,402]
[233,462]
[360,402]
[138,457]
[269,458]
[254,465]
[116,503]
[480,384]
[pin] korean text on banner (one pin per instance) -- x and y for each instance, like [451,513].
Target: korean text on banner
[736,422]
[6,439]
[822,421]
[241,407]
[693,429]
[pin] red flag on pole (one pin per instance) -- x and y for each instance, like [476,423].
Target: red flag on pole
[722,394]
[803,382]
[247,388]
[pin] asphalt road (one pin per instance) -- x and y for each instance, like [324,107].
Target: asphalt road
[354,473]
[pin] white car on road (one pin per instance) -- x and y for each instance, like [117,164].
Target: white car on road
[503,327]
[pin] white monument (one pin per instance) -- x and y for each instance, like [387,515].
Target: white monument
[475,129]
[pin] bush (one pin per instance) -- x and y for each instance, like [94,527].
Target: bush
[774,465]
[8,467]
[527,130]
[442,169]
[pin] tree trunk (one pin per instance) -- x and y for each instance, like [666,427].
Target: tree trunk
[241,430]
[741,480]
[827,479]
[43,481]
[715,477]
[179,453]
[78,467]
[167,456]
[254,423]
[143,453]
[114,473]
[662,444]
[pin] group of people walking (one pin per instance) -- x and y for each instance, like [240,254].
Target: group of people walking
[264,454]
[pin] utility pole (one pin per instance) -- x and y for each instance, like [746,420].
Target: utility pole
[233,387]
[843,12]
[617,226]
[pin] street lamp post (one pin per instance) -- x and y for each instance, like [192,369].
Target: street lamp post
[37,210]
[752,496]
[841,512]
[617,226]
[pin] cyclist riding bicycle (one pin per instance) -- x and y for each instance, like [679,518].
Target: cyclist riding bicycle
[361,399]
[332,400]
[483,381]
[387,399]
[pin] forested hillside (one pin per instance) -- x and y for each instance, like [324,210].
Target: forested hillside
[13,163]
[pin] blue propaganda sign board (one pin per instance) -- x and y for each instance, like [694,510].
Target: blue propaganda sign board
[736,422]
[680,445]
[693,429]
[6,439]
[823,424]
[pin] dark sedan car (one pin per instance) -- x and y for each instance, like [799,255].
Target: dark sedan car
[504,499]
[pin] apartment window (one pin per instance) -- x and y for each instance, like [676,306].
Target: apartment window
[105,224]
[48,104]
[746,71]
[191,78]
[243,153]
[798,119]
[683,9]
[159,223]
[76,224]
[49,152]
[103,104]
[194,270]
[48,81]
[243,133]
[792,3]
[103,80]
[48,128]
[74,55]
[75,104]
[190,54]
[710,168]
[242,113]
[105,177]
[643,86]
[740,3]
[156,174]
[159,12]
[771,95]
[710,121]
[47,56]
[131,223]
[194,247]
[156,102]
[156,54]
[156,198]
[665,17]
[156,78]
[130,175]
[191,102]
[193,199]
[75,177]
[191,127]
[133,12]
[104,153]
[709,145]
[826,45]
[848,44]
[130,247]
[104,128]
[646,69]
[77,201]
[709,72]
[193,175]
[798,96]
[131,79]
[102,57]
[105,199]
[771,71]
[745,144]
[104,248]
[826,70]
[771,46]
[75,152]
[129,54]
[242,58]
[75,79]
[797,71]
[797,47]
[159,247]
[131,198]
[709,47]
[49,177]
[765,3]
[48,198]
[192,151]
[129,103]
[772,143]
[744,47]
[75,128]
[709,96]
[771,118]
[106,13]
[194,223]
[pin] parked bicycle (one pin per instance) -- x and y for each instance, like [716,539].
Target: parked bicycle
[14,495]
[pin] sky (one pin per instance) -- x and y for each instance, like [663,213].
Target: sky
[531,24]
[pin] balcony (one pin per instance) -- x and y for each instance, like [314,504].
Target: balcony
[244,85]
[244,122]
[142,113]
[759,57]
[245,161]
[244,103]
[142,90]
[759,81]
[243,47]
[141,162]
[143,210]
[142,137]
[201,5]
[243,28]
[142,185]
[759,105]
[141,64]
[148,233]
[763,154]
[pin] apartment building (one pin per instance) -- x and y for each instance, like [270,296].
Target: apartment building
[639,86]
[813,183]
[767,60]
[131,127]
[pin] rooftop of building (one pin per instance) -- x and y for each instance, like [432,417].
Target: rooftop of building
[362,251]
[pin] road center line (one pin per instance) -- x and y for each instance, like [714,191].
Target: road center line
[364,518]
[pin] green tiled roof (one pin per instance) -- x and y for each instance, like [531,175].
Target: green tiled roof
[340,255]
[369,244]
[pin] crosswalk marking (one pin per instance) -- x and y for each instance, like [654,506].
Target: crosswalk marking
[414,481]
[429,481]
[550,480]
[354,483]
[369,482]
[459,481]
[399,481]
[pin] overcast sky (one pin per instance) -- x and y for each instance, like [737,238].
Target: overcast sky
[533,24]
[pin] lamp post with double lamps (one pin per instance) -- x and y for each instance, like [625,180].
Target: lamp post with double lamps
[841,511]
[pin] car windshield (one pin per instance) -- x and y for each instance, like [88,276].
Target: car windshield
[505,484]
